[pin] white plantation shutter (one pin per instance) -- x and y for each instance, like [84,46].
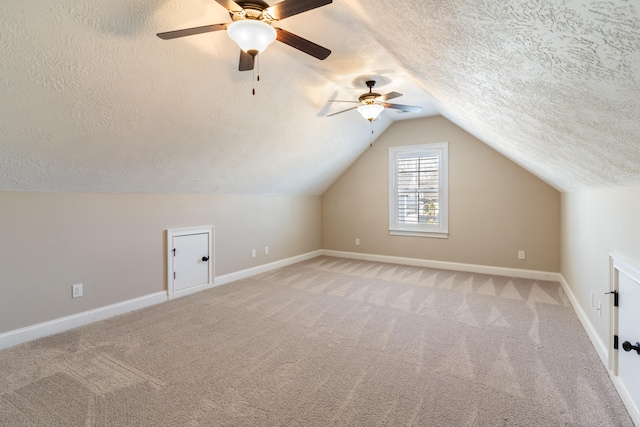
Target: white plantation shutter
[418,187]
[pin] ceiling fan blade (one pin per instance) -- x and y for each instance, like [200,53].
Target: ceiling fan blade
[288,8]
[406,108]
[301,44]
[246,61]
[191,31]
[388,96]
[230,5]
[338,100]
[340,112]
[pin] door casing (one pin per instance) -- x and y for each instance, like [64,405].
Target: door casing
[620,265]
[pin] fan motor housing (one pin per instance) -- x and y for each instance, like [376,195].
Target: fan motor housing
[368,97]
[252,9]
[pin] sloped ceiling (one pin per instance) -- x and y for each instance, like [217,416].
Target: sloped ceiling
[552,84]
[93,101]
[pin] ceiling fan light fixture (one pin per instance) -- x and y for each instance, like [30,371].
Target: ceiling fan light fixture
[253,36]
[370,111]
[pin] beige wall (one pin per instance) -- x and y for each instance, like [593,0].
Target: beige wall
[495,207]
[114,244]
[595,224]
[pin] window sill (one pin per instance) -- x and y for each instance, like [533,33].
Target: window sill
[431,234]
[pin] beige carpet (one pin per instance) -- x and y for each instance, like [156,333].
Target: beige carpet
[327,342]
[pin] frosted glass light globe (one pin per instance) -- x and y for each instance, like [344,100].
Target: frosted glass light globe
[251,35]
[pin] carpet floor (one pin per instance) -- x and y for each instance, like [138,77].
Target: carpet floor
[325,342]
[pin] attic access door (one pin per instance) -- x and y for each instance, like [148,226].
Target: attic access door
[189,260]
[626,331]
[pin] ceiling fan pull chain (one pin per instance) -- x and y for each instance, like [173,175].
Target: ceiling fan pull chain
[255,76]
[371,136]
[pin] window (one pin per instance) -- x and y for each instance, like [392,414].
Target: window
[418,190]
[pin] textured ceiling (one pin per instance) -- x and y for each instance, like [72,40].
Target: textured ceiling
[552,84]
[93,101]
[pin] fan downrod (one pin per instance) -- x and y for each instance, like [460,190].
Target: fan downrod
[370,96]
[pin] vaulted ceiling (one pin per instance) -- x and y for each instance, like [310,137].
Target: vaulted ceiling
[93,101]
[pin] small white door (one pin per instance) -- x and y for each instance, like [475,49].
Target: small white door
[190,260]
[629,336]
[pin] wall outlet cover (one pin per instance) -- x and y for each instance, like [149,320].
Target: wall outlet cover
[76,290]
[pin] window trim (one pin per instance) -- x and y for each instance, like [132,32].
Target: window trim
[440,150]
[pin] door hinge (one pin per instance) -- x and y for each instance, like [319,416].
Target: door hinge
[174,275]
[174,251]
[615,297]
[615,342]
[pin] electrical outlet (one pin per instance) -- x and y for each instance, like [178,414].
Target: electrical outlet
[357,242]
[76,290]
[520,254]
[266,250]
[253,253]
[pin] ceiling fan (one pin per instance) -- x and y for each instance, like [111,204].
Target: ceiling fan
[252,28]
[371,104]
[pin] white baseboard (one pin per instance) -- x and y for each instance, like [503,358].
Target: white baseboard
[633,411]
[19,336]
[445,265]
[603,352]
[243,274]
[598,344]
[601,348]
[55,326]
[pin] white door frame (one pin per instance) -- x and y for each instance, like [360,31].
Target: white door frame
[177,232]
[619,264]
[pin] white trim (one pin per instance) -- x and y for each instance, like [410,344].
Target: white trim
[626,266]
[433,149]
[55,326]
[243,274]
[598,344]
[626,399]
[446,265]
[22,335]
[433,234]
[596,341]
[621,264]
[601,348]
[613,315]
